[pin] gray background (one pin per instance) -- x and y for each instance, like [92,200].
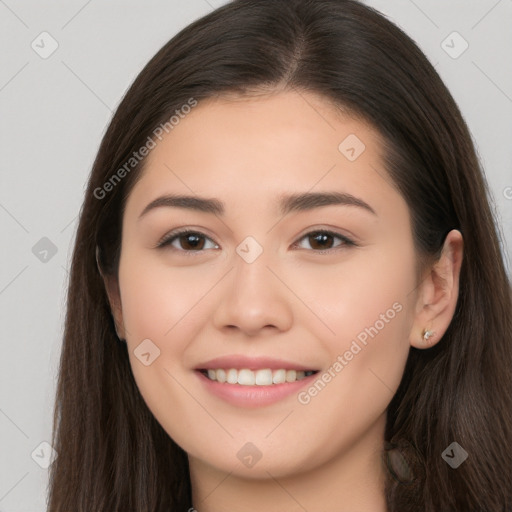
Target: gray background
[53,113]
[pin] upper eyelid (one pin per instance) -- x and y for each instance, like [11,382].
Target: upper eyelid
[174,234]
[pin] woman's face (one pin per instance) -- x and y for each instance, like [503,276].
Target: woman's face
[258,284]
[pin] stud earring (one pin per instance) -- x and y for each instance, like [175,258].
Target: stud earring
[427,334]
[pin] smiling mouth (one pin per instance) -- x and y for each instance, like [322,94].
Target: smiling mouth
[262,377]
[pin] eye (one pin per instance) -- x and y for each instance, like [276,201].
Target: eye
[187,241]
[322,240]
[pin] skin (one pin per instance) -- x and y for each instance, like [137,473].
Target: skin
[291,302]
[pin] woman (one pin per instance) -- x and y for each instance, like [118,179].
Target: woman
[287,290]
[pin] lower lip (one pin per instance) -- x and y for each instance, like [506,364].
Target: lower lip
[253,396]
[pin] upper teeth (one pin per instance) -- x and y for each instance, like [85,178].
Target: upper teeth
[264,377]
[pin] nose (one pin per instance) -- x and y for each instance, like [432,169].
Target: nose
[254,300]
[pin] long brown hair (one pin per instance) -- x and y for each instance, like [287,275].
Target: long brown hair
[112,453]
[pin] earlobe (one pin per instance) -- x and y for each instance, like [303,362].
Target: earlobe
[114,298]
[438,294]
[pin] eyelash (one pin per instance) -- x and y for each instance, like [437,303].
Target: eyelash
[170,237]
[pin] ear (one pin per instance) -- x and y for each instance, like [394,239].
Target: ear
[438,294]
[114,297]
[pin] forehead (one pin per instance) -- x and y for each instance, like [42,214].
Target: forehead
[250,149]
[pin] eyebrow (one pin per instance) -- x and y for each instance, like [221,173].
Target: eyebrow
[288,203]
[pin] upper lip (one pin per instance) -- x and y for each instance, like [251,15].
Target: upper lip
[251,363]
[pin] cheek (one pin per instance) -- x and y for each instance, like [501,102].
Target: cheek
[163,305]
[368,306]
[371,311]
[367,289]
[158,300]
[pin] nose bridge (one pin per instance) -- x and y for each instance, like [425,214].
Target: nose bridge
[253,298]
[251,273]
